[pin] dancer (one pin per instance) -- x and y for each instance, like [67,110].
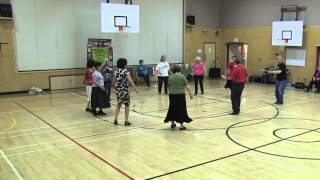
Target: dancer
[281,79]
[199,70]
[107,72]
[99,95]
[177,109]
[238,76]
[163,70]
[315,80]
[143,72]
[88,81]
[229,70]
[122,77]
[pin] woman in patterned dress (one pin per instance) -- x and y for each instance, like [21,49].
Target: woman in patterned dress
[122,77]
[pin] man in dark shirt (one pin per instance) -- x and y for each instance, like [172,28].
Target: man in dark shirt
[238,76]
[281,79]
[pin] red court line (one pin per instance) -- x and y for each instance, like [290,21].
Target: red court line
[76,142]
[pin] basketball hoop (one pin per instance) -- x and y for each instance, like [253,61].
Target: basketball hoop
[122,29]
[282,48]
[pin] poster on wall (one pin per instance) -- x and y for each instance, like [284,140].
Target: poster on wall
[99,50]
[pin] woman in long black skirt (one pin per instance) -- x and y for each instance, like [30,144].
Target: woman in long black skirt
[178,109]
[99,94]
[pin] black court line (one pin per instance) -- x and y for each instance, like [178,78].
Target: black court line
[164,109]
[226,113]
[235,154]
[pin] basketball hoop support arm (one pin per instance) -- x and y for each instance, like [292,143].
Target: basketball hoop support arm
[125,1]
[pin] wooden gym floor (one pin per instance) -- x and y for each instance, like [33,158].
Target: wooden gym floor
[51,137]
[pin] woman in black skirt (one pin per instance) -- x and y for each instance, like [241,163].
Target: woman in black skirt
[177,109]
[99,95]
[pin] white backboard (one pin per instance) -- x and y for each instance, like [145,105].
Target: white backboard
[291,30]
[114,15]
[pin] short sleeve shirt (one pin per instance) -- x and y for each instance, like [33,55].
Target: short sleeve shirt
[282,75]
[99,79]
[177,84]
[142,69]
[164,68]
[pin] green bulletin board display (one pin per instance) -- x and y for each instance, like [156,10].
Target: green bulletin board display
[99,50]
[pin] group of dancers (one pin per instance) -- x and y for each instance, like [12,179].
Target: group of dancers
[100,78]
[98,81]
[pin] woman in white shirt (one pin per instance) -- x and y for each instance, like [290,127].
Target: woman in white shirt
[163,70]
[99,95]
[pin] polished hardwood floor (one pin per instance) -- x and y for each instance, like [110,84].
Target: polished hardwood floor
[50,136]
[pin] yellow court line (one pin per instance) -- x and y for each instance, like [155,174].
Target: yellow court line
[13,124]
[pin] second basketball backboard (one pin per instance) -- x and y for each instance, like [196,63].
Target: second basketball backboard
[119,18]
[287,33]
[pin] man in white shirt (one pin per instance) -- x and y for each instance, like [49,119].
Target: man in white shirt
[163,70]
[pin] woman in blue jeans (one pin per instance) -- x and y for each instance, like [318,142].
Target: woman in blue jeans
[281,79]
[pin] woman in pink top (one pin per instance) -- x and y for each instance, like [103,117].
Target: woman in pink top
[198,74]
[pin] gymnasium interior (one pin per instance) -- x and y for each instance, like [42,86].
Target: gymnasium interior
[45,132]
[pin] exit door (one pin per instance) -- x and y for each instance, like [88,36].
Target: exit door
[237,49]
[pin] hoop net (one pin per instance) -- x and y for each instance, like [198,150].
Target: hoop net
[281,48]
[122,29]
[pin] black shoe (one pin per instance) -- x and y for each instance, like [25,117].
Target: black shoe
[101,113]
[115,122]
[182,128]
[173,126]
[202,93]
[88,109]
[234,113]
[94,112]
[127,123]
[278,103]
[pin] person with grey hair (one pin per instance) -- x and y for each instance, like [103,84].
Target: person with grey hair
[281,79]
[199,70]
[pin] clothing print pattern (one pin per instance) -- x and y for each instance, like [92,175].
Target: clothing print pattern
[121,86]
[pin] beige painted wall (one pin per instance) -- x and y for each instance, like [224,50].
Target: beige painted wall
[11,80]
[260,54]
[260,51]
[195,39]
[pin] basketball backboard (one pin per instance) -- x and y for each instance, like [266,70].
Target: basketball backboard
[287,33]
[119,18]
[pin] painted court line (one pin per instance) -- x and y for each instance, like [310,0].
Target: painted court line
[13,168]
[254,109]
[12,125]
[84,136]
[49,131]
[231,155]
[215,115]
[74,145]
[79,144]
[44,127]
[102,139]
